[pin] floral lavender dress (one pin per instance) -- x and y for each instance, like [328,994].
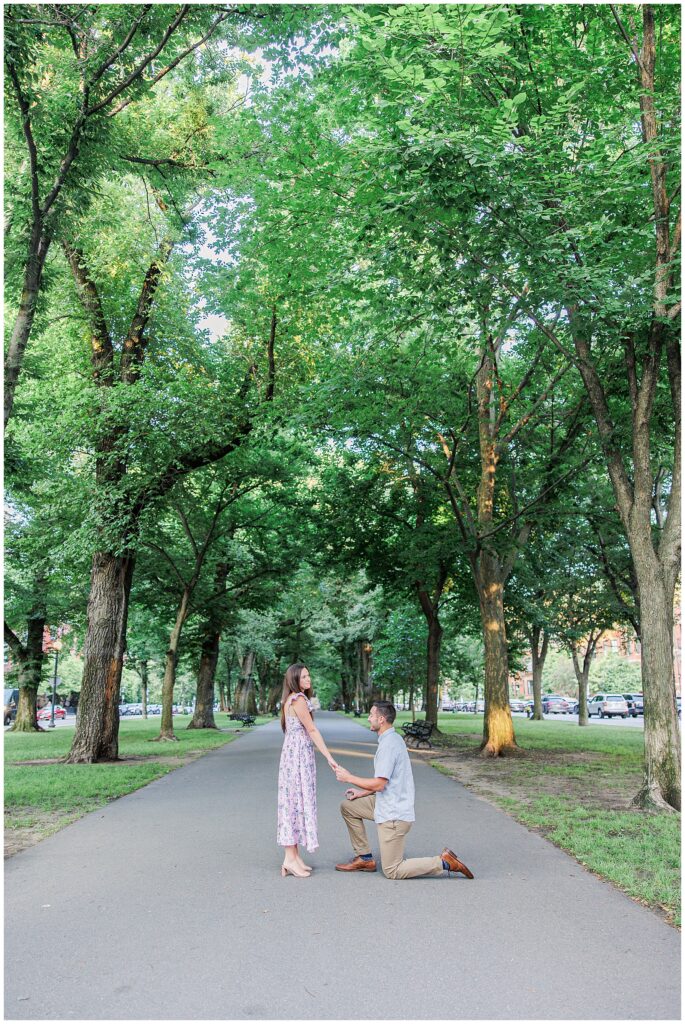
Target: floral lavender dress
[297,786]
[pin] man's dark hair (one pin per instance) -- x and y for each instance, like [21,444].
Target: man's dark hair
[385,708]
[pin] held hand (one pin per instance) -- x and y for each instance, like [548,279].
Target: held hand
[342,775]
[333,765]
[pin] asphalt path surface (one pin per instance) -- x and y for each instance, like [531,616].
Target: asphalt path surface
[170,906]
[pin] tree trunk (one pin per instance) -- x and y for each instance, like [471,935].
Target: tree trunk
[30,658]
[203,718]
[498,727]
[368,694]
[143,685]
[661,785]
[433,667]
[273,697]
[538,655]
[228,685]
[346,677]
[96,737]
[244,702]
[582,676]
[166,727]
[38,250]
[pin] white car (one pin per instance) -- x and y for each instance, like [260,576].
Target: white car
[607,705]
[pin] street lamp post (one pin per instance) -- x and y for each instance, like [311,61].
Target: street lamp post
[57,647]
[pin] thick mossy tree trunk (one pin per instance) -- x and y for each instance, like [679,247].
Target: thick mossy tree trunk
[538,653]
[498,727]
[96,737]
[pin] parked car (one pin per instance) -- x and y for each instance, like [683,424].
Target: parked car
[517,705]
[45,713]
[553,704]
[11,704]
[575,708]
[607,705]
[635,702]
[677,705]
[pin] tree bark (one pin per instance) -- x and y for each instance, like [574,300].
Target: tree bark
[144,684]
[96,737]
[30,658]
[244,702]
[583,674]
[498,727]
[538,656]
[661,787]
[38,250]
[434,642]
[365,681]
[166,727]
[203,718]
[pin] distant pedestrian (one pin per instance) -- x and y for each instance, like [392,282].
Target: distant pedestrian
[297,824]
[388,799]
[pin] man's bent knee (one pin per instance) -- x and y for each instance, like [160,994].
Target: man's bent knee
[345,808]
[391,870]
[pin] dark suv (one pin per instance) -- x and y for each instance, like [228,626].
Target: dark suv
[635,704]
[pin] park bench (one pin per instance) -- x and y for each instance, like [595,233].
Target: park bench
[419,732]
[245,719]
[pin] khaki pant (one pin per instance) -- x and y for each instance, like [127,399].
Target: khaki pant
[391,837]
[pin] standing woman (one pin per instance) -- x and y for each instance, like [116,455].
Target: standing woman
[297,772]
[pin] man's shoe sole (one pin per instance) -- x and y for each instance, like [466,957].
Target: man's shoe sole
[368,866]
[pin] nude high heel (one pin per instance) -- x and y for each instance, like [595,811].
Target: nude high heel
[289,871]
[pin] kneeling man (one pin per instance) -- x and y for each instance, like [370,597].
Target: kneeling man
[387,799]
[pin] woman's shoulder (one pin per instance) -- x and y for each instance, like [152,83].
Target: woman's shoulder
[293,697]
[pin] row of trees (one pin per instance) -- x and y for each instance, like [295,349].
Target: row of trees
[442,244]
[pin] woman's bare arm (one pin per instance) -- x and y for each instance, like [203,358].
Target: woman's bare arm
[303,713]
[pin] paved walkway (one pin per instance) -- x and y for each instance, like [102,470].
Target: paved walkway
[175,909]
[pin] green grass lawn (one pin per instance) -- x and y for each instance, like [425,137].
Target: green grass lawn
[574,787]
[41,798]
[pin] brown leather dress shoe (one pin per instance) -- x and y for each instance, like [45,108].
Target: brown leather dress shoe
[454,863]
[357,864]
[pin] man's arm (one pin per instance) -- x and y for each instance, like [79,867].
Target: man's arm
[376,785]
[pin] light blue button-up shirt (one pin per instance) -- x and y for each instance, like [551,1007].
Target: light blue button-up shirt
[396,801]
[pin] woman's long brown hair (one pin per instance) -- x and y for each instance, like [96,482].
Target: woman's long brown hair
[291,684]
